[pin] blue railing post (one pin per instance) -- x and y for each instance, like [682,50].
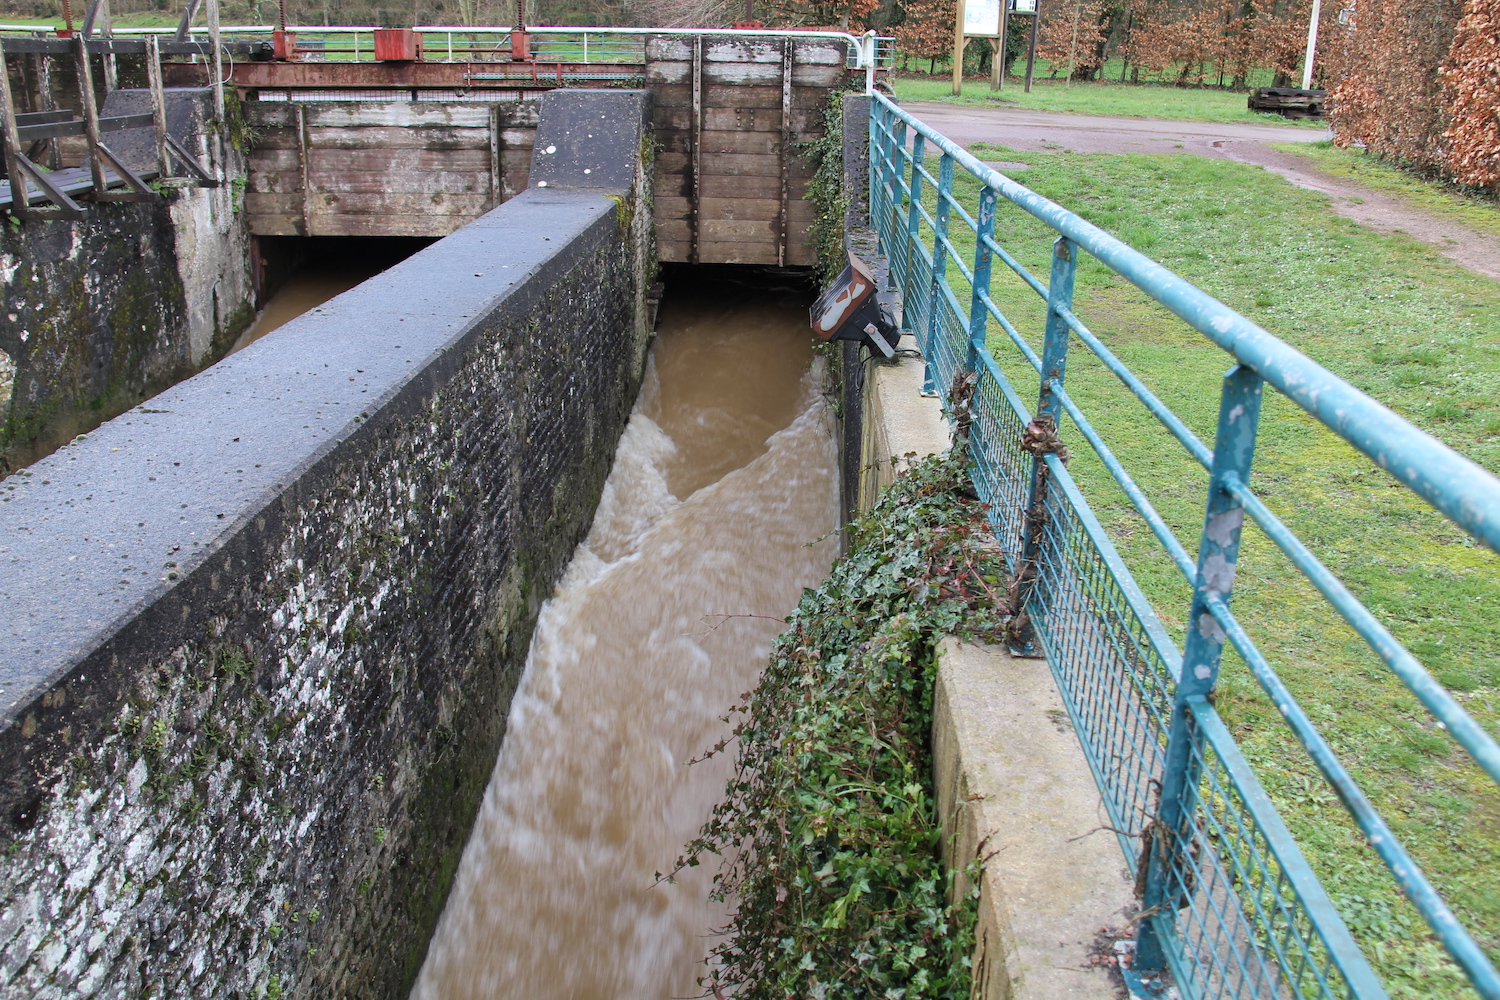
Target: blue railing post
[890,176]
[1049,406]
[1055,346]
[939,272]
[876,133]
[1218,555]
[895,143]
[979,319]
[912,306]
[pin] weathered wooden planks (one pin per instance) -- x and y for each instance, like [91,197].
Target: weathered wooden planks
[730,175]
[377,168]
[729,113]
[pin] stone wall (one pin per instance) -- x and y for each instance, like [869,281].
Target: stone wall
[101,314]
[258,637]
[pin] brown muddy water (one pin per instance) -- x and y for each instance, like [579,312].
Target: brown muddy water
[722,502]
[331,265]
[303,291]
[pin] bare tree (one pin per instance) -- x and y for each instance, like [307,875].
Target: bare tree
[685,13]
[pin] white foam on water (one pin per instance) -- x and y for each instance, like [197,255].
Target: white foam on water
[632,668]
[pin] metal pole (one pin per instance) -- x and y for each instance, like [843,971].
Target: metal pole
[870,43]
[1036,19]
[916,307]
[939,269]
[1312,45]
[1055,345]
[696,126]
[883,173]
[1047,419]
[895,143]
[218,66]
[1170,842]
[979,316]
[958,48]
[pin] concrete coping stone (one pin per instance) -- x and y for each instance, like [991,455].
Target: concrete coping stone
[101,529]
[1014,789]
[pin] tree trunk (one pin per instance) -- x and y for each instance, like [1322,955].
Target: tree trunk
[1073,45]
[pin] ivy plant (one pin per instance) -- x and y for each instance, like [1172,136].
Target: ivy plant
[827,838]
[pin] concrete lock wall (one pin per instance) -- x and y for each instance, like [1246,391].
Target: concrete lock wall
[260,634]
[103,313]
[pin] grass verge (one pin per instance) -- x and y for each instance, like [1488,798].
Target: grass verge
[829,829]
[1141,100]
[1444,200]
[1409,328]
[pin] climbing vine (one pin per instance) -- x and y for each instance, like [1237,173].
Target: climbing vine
[829,841]
[826,189]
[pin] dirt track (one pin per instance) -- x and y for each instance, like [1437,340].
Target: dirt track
[1042,131]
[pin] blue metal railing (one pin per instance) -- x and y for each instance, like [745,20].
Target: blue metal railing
[1229,904]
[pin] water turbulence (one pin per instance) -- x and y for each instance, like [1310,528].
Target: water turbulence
[720,503]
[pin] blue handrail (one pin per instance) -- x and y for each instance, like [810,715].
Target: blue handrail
[1219,864]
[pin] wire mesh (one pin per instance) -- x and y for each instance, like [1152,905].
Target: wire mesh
[1114,680]
[1242,928]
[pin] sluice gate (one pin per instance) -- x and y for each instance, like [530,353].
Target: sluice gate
[731,117]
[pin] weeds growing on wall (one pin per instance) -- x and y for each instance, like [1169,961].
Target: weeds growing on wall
[826,189]
[830,845]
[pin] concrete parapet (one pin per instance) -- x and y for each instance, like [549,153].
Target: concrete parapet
[1014,791]
[900,424]
[258,637]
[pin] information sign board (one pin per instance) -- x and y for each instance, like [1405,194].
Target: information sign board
[982,17]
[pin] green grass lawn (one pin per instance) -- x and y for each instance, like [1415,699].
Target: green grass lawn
[1123,100]
[1370,171]
[1404,325]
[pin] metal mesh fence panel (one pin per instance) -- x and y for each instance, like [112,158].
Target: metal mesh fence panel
[1239,912]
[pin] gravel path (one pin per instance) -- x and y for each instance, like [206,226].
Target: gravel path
[1042,131]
